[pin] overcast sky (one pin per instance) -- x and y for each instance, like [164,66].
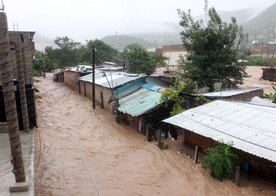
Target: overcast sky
[83,20]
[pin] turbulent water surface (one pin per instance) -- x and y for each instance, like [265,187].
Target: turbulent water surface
[118,160]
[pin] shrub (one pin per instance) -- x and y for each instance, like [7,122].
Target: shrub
[221,161]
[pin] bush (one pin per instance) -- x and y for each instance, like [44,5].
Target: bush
[221,161]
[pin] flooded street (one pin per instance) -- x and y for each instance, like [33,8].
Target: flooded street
[81,151]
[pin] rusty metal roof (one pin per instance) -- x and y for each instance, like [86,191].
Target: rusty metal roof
[250,127]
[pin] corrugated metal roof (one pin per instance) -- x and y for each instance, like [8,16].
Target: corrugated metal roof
[250,127]
[232,92]
[111,80]
[139,102]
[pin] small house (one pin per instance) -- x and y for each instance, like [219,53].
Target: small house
[249,127]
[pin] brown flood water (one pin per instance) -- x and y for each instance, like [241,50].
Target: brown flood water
[118,158]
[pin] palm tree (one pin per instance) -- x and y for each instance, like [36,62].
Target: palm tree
[9,99]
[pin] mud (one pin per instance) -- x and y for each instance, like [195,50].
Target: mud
[118,159]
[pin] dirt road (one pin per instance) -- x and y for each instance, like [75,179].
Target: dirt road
[84,152]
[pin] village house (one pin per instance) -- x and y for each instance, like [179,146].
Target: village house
[248,126]
[263,49]
[173,53]
[131,97]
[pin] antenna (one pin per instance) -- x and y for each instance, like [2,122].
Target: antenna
[2,6]
[14,27]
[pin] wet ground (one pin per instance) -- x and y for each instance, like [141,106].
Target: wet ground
[85,152]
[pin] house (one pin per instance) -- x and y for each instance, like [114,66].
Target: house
[249,127]
[132,97]
[143,106]
[173,53]
[106,86]
[242,94]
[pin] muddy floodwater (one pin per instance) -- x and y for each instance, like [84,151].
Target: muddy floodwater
[83,151]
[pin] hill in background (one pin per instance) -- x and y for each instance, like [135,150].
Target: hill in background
[259,24]
[263,26]
[172,37]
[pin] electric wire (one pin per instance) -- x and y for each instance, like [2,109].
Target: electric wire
[81,155]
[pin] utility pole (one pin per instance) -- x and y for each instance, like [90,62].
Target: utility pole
[93,77]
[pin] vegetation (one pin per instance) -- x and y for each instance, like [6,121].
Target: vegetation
[172,95]
[139,60]
[260,61]
[214,48]
[271,96]
[163,146]
[221,161]
[70,53]
[42,63]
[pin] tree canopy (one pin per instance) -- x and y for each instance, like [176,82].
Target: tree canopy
[71,53]
[139,60]
[214,48]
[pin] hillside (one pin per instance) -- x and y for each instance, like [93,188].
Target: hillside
[119,42]
[263,26]
[242,15]
[171,33]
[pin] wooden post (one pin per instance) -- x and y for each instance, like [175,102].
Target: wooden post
[183,137]
[147,133]
[237,175]
[196,154]
[159,137]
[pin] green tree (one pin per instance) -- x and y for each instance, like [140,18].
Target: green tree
[68,53]
[221,161]
[42,63]
[159,59]
[139,60]
[171,95]
[104,52]
[214,48]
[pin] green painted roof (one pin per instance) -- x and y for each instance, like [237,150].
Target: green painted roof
[139,102]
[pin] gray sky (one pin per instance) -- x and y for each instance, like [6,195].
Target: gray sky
[83,20]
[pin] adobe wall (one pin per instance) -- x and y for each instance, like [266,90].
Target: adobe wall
[247,96]
[86,90]
[71,79]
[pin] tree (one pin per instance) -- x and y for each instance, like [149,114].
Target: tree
[42,63]
[159,59]
[68,53]
[221,161]
[104,52]
[139,60]
[214,48]
[66,42]
[171,95]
